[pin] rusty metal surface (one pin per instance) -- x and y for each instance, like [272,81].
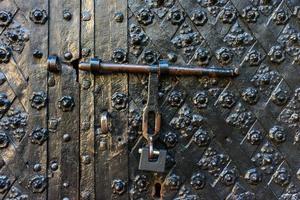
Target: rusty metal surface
[70,134]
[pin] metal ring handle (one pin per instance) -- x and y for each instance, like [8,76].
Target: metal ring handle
[104,122]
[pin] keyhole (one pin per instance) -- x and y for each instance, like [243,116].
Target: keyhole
[157,190]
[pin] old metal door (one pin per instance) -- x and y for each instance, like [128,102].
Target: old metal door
[68,133]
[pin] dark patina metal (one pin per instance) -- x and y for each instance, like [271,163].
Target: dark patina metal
[96,66]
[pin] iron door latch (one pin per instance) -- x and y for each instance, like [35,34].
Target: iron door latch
[151,159]
[95,65]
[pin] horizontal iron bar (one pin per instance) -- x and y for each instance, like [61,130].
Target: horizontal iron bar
[96,66]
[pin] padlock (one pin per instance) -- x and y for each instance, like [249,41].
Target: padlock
[156,165]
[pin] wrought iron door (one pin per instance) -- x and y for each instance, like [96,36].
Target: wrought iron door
[69,132]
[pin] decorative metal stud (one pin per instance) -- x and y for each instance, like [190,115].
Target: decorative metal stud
[66,103]
[5,54]
[119,56]
[118,186]
[4,103]
[68,55]
[119,17]
[37,54]
[67,15]
[38,100]
[4,141]
[37,184]
[5,18]
[4,184]
[119,101]
[38,16]
[39,136]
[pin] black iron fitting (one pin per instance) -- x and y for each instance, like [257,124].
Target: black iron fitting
[163,68]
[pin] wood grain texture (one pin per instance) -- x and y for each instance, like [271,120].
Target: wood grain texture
[113,37]
[87,108]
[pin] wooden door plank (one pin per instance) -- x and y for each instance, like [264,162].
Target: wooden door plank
[64,32]
[54,141]
[69,103]
[119,86]
[86,80]
[64,41]
[111,148]
[102,94]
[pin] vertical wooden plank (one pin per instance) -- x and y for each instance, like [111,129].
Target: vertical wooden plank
[55,140]
[69,103]
[54,113]
[102,29]
[119,86]
[64,31]
[102,96]
[86,80]
[64,40]
[111,148]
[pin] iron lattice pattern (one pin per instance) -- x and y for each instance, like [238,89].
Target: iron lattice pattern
[22,136]
[226,139]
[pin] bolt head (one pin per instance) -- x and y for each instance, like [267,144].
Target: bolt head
[68,55]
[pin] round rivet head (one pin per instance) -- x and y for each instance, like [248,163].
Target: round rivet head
[66,137]
[172,57]
[119,17]
[68,56]
[66,185]
[86,159]
[67,15]
[37,167]
[37,54]
[85,52]
[86,16]
[54,166]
